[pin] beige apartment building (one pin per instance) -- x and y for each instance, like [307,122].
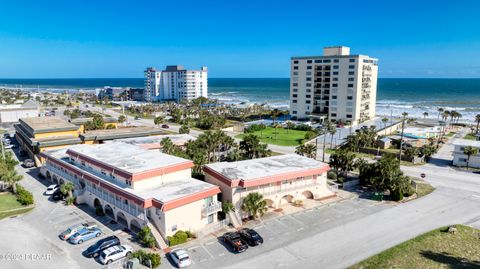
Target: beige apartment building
[280,179]
[136,186]
[337,86]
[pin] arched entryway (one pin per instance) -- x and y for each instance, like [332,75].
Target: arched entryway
[270,203]
[122,219]
[97,203]
[48,175]
[61,181]
[287,199]
[307,194]
[135,226]
[109,211]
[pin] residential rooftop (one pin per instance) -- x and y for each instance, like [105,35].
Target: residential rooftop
[120,133]
[47,124]
[265,167]
[153,142]
[466,143]
[126,157]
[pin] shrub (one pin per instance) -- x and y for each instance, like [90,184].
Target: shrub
[189,234]
[24,197]
[70,200]
[409,191]
[144,257]
[302,127]
[254,128]
[146,238]
[309,135]
[396,195]
[332,175]
[179,237]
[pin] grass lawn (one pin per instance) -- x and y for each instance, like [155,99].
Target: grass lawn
[9,202]
[451,134]
[424,189]
[469,136]
[435,249]
[284,137]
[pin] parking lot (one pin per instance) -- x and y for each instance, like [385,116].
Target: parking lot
[280,231]
[36,233]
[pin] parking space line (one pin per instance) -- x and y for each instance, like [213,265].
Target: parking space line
[206,250]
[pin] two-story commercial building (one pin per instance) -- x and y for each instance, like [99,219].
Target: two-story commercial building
[280,179]
[459,156]
[136,186]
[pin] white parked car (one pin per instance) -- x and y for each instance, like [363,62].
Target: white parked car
[51,189]
[180,257]
[114,253]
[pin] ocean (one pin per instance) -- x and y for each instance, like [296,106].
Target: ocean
[414,96]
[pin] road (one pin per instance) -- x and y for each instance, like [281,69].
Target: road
[455,200]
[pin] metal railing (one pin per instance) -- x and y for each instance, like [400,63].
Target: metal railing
[290,189]
[217,206]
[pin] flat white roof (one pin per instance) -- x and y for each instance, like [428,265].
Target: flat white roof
[263,167]
[170,190]
[466,142]
[177,139]
[129,158]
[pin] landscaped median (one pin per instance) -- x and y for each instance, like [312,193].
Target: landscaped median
[10,206]
[458,247]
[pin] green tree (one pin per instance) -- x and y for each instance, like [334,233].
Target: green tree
[184,129]
[227,207]
[252,148]
[440,112]
[425,114]
[9,176]
[308,150]
[477,120]
[122,119]
[167,146]
[385,121]
[159,120]
[469,151]
[254,204]
[342,161]
[290,125]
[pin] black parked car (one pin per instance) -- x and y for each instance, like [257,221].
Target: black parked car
[251,237]
[95,249]
[58,195]
[235,242]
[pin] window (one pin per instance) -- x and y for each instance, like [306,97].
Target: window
[334,85]
[335,73]
[318,61]
[295,73]
[83,163]
[294,112]
[326,61]
[309,73]
[309,84]
[351,73]
[333,114]
[335,79]
[335,67]
[294,101]
[349,97]
[308,96]
[294,95]
[309,67]
[295,62]
[335,60]
[309,61]
[295,68]
[295,84]
[349,116]
[350,85]
[295,90]
[351,79]
[351,60]
[349,104]
[334,97]
[351,66]
[174,228]
[309,79]
[308,102]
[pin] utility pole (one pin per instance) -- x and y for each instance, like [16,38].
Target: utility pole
[401,137]
[324,142]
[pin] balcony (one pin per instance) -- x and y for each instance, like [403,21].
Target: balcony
[212,208]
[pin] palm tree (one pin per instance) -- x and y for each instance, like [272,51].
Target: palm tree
[440,111]
[425,114]
[122,119]
[290,125]
[184,129]
[167,145]
[159,120]
[332,130]
[477,120]
[308,150]
[67,189]
[385,121]
[254,204]
[404,114]
[11,177]
[469,151]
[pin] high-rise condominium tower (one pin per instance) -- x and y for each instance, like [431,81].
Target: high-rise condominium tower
[336,86]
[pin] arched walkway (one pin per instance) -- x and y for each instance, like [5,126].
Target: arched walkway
[135,226]
[62,181]
[109,211]
[270,203]
[49,176]
[97,203]
[122,219]
[307,194]
[287,199]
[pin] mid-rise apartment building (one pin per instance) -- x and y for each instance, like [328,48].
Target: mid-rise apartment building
[136,186]
[459,156]
[337,86]
[175,83]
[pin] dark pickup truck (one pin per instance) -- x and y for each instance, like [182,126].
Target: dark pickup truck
[235,242]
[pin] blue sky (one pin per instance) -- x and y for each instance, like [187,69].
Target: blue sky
[88,39]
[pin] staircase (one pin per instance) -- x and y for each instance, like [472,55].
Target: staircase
[235,219]
[158,237]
